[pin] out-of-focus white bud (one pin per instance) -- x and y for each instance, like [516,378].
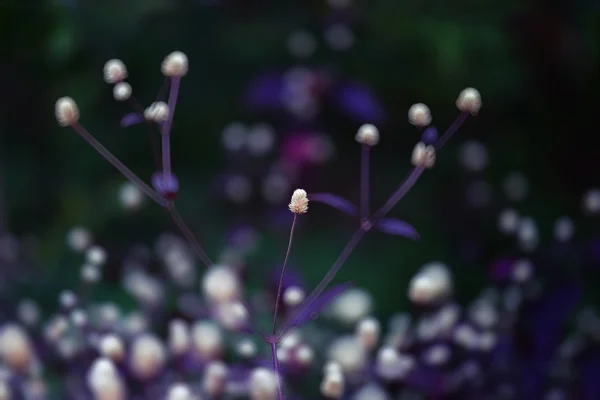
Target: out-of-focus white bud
[175,64]
[350,306]
[293,296]
[111,346]
[130,196]
[232,315]
[419,115]
[436,355]
[367,134]
[391,365]
[179,391]
[56,328]
[431,284]
[305,355]
[67,299]
[104,381]
[214,379]
[79,318]
[299,202]
[79,238]
[484,314]
[144,287]
[66,111]
[157,112]
[147,356]
[207,339]
[15,348]
[114,71]
[96,255]
[290,339]
[349,353]
[423,155]
[591,201]
[90,273]
[465,336]
[527,234]
[332,367]
[469,100]
[246,348]
[179,337]
[262,384]
[474,156]
[563,229]
[122,91]
[508,221]
[367,332]
[333,385]
[371,391]
[28,312]
[522,270]
[221,284]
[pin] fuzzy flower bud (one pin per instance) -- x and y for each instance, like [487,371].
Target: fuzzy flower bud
[104,381]
[367,134]
[332,385]
[213,382]
[66,111]
[349,353]
[423,155]
[179,337]
[367,332]
[175,64]
[262,384]
[147,356]
[293,296]
[111,346]
[122,91]
[299,202]
[207,339]
[469,100]
[96,255]
[221,284]
[179,391]
[419,115]
[431,284]
[114,71]
[15,348]
[157,112]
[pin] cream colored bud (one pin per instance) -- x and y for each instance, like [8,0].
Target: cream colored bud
[469,100]
[367,134]
[114,71]
[157,112]
[175,64]
[423,155]
[122,91]
[299,202]
[66,111]
[419,115]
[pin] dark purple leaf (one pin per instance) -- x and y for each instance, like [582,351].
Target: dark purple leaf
[131,119]
[308,312]
[397,227]
[334,201]
[358,102]
[265,92]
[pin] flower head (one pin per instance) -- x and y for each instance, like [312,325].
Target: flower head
[175,64]
[114,71]
[66,111]
[367,134]
[299,202]
[469,100]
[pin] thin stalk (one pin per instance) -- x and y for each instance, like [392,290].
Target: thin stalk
[88,137]
[280,287]
[451,130]
[354,240]
[189,235]
[276,369]
[166,127]
[410,181]
[364,181]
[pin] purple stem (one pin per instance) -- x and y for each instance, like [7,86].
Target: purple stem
[280,287]
[326,280]
[364,181]
[451,130]
[119,165]
[276,369]
[166,128]
[410,181]
[188,235]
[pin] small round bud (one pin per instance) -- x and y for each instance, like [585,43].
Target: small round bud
[246,348]
[367,134]
[367,332]
[96,255]
[175,64]
[179,391]
[351,306]
[214,379]
[221,284]
[90,273]
[332,385]
[305,355]
[79,238]
[130,196]
[423,155]
[179,337]
[67,299]
[262,384]
[419,115]
[66,111]
[157,112]
[299,202]
[111,347]
[147,356]
[591,201]
[114,71]
[207,339]
[104,381]
[293,296]
[15,348]
[433,283]
[508,221]
[349,353]
[122,91]
[430,135]
[469,100]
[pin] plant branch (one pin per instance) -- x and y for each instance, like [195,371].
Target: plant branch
[280,287]
[364,181]
[188,234]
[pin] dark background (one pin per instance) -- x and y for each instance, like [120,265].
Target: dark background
[535,64]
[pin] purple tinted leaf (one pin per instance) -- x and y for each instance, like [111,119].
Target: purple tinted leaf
[310,311]
[397,227]
[131,119]
[358,102]
[334,201]
[265,92]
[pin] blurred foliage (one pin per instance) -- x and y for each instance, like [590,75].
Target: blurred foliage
[535,63]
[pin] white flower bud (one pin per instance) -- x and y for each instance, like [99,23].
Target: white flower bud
[423,155]
[96,255]
[15,348]
[367,332]
[179,337]
[66,111]
[157,112]
[262,384]
[591,201]
[332,385]
[179,391]
[469,100]
[130,196]
[67,299]
[114,71]
[351,306]
[90,273]
[391,365]
[305,355]
[367,134]
[207,339]
[432,283]
[371,391]
[79,238]
[214,379]
[349,353]
[232,315]
[175,64]
[299,202]
[104,381]
[221,284]
[419,115]
[122,91]
[147,356]
[111,346]
[246,348]
[437,355]
[293,296]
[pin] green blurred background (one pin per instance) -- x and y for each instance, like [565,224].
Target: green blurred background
[535,64]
